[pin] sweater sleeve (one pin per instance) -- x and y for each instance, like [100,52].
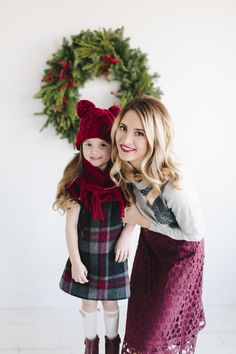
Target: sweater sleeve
[185,205]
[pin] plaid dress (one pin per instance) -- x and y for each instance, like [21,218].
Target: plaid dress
[108,280]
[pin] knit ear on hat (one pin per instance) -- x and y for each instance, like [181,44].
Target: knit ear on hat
[115,110]
[84,107]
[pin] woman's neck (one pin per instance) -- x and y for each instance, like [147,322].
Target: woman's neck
[136,168]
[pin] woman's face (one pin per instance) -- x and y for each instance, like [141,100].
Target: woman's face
[131,139]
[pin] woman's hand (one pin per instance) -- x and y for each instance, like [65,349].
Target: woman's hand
[122,247]
[133,216]
[79,272]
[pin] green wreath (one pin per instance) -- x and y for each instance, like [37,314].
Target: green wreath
[91,54]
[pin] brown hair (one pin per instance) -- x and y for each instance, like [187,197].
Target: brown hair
[71,172]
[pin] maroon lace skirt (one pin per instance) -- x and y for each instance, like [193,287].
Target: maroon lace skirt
[165,311]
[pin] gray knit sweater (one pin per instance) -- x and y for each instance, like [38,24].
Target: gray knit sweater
[175,213]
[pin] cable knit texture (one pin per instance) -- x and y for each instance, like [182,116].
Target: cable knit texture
[94,122]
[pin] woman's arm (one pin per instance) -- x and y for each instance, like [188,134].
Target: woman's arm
[79,271]
[133,216]
[185,205]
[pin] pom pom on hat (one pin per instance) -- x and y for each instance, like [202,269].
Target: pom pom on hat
[84,107]
[115,110]
[94,122]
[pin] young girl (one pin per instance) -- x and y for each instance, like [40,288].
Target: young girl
[165,309]
[97,242]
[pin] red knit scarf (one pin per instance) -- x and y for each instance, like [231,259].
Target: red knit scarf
[96,188]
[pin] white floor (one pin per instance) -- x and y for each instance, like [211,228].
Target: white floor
[59,331]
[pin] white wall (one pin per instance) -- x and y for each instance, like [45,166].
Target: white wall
[192,45]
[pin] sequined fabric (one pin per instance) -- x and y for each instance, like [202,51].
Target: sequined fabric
[165,311]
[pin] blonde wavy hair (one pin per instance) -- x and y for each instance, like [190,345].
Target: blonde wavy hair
[158,166]
[71,172]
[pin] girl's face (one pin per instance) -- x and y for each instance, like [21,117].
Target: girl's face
[131,139]
[97,152]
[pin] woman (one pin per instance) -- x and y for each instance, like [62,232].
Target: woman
[165,310]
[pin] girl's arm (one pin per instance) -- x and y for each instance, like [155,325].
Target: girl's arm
[123,242]
[79,271]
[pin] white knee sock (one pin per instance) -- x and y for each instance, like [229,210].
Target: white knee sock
[89,323]
[111,320]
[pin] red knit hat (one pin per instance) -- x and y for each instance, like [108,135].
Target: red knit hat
[94,122]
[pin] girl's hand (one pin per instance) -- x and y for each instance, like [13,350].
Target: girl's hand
[133,216]
[122,248]
[79,272]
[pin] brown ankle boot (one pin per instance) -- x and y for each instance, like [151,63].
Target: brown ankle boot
[91,346]
[112,346]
